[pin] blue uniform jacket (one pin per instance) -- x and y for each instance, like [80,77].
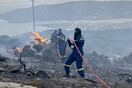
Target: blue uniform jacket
[80,43]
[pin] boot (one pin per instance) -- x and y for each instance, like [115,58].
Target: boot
[66,76]
[82,76]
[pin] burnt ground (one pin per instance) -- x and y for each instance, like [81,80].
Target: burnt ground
[54,69]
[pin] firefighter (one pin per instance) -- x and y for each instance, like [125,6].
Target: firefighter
[75,56]
[61,43]
[54,37]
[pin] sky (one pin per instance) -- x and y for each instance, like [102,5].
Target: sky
[8,5]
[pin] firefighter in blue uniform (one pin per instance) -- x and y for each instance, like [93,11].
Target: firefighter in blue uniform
[54,37]
[74,56]
[61,43]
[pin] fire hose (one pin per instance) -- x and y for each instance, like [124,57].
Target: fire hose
[58,52]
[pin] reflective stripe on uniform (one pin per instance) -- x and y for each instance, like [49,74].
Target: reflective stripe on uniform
[62,38]
[67,65]
[58,36]
[80,69]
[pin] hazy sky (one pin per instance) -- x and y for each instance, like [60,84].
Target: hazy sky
[8,5]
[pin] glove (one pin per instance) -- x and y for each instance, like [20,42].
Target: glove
[72,46]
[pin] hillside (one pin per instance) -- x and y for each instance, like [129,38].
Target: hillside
[81,10]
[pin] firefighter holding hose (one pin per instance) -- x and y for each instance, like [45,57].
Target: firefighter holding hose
[74,56]
[61,44]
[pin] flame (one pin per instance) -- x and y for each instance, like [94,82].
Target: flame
[38,39]
[19,49]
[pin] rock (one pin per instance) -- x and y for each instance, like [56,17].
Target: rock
[29,73]
[28,51]
[122,85]
[2,70]
[52,71]
[38,47]
[2,58]
[15,69]
[42,74]
[7,67]
[13,85]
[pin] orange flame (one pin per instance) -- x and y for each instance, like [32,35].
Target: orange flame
[38,39]
[19,49]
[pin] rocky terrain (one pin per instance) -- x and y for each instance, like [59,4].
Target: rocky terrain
[46,70]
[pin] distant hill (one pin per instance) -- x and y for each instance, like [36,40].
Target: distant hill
[80,10]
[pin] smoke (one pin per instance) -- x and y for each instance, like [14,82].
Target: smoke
[7,43]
